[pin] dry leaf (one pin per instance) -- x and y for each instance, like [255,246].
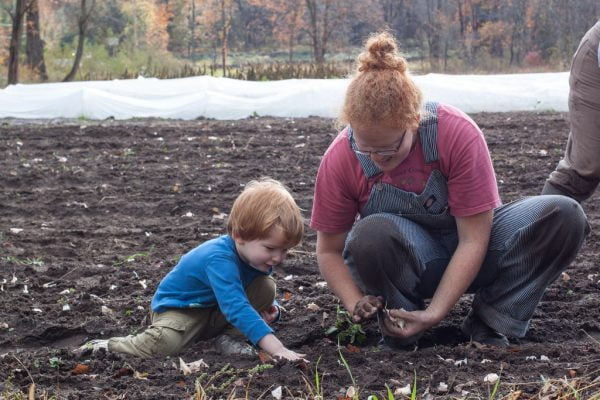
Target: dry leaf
[514,395]
[351,392]
[239,382]
[81,369]
[572,373]
[31,394]
[183,367]
[491,378]
[352,349]
[140,375]
[403,391]
[287,296]
[264,357]
[123,372]
[277,393]
[313,307]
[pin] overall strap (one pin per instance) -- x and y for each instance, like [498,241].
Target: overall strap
[428,132]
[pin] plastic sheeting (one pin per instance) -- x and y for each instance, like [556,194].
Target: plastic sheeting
[222,98]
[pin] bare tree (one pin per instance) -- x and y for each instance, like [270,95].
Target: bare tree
[21,7]
[34,49]
[320,26]
[192,25]
[226,10]
[82,25]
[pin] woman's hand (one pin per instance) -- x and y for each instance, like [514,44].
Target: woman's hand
[270,315]
[367,307]
[405,324]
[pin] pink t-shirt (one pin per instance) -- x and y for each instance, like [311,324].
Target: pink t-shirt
[342,189]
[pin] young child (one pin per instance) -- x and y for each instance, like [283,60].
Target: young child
[223,287]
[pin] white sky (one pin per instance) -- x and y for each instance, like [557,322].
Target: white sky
[221,98]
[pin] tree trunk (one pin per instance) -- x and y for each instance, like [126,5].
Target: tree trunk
[291,43]
[83,21]
[192,42]
[314,28]
[226,18]
[35,44]
[15,40]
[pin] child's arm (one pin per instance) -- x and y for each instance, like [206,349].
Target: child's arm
[273,314]
[275,348]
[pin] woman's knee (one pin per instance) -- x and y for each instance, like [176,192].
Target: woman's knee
[370,235]
[570,217]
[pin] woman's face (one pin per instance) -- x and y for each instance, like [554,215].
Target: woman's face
[386,144]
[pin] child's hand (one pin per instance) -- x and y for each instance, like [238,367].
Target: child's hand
[367,307]
[271,314]
[288,354]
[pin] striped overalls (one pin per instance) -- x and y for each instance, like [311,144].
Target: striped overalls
[403,242]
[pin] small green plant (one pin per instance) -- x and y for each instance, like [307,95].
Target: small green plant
[128,312]
[25,261]
[55,362]
[390,394]
[315,390]
[128,152]
[134,257]
[346,330]
[413,393]
[494,391]
[349,370]
[207,385]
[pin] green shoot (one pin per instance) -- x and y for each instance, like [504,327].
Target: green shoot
[496,385]
[390,394]
[318,383]
[134,257]
[576,395]
[348,369]
[413,394]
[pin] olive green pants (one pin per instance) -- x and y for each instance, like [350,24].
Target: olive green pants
[173,330]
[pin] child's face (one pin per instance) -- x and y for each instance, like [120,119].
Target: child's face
[263,254]
[394,143]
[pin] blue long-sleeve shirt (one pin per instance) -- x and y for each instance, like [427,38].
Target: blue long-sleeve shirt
[213,274]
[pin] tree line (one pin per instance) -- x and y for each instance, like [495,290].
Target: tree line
[446,35]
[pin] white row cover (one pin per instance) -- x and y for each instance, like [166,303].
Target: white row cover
[222,98]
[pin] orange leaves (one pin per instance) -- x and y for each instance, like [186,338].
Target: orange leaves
[81,369]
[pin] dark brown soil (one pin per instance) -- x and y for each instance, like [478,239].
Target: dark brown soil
[89,210]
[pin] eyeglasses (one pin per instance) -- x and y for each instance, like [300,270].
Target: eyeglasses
[381,153]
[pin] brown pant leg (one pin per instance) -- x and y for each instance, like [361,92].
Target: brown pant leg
[578,173]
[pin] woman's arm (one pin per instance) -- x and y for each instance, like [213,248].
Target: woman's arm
[331,264]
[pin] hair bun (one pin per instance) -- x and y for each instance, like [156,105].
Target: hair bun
[381,52]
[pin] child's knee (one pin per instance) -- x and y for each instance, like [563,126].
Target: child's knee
[164,341]
[261,292]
